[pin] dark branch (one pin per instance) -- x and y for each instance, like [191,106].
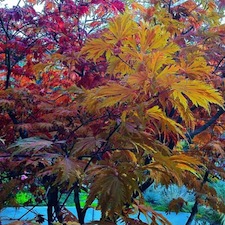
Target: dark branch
[206,125]
[218,65]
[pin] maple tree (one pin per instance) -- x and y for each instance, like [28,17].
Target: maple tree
[96,96]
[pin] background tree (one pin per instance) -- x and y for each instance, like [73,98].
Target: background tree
[102,106]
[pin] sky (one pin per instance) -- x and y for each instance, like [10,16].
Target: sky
[11,3]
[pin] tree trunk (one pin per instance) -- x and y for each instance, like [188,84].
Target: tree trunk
[53,203]
[80,211]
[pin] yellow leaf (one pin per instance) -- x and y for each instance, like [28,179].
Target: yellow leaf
[185,113]
[195,67]
[188,163]
[95,48]
[199,93]
[156,60]
[118,66]
[166,168]
[137,79]
[161,38]
[122,27]
[167,124]
[168,70]
[146,36]
[108,95]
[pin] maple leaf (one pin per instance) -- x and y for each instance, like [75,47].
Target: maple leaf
[107,180]
[66,169]
[83,10]
[108,95]
[32,143]
[195,68]
[149,146]
[167,168]
[95,48]
[167,70]
[164,170]
[199,93]
[166,123]
[120,28]
[87,145]
[185,113]
[188,163]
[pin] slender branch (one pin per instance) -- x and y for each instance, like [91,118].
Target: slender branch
[188,30]
[4,29]
[125,62]
[218,65]
[170,4]
[195,207]
[206,125]
[29,210]
[9,69]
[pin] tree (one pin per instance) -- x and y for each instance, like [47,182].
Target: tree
[102,105]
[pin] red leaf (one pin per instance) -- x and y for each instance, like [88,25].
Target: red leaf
[83,10]
[118,5]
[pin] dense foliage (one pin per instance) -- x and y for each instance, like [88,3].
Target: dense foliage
[98,96]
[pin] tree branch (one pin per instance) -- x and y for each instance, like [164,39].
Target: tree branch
[206,125]
[195,207]
[218,65]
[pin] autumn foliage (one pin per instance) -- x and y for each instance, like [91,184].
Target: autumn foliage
[97,95]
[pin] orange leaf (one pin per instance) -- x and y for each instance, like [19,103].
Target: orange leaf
[32,1]
[138,6]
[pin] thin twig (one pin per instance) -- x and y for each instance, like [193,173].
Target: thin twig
[218,65]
